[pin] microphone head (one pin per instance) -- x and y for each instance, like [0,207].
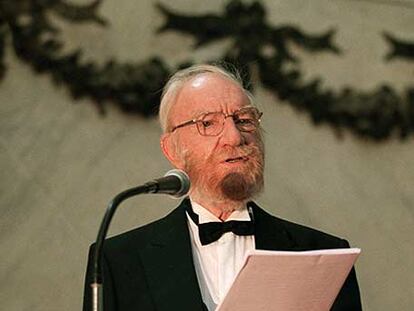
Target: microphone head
[184,181]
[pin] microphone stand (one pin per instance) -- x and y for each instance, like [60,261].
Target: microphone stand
[97,289]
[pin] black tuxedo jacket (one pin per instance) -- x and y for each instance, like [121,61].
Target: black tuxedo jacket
[151,268]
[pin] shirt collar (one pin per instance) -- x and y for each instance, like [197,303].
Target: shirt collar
[206,216]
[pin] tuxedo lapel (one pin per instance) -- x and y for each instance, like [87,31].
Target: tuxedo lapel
[169,267]
[270,233]
[168,263]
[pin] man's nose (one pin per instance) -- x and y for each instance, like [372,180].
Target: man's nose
[231,135]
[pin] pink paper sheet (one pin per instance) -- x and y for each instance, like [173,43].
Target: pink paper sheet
[290,281]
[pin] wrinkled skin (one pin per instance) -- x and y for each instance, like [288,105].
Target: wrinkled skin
[225,170]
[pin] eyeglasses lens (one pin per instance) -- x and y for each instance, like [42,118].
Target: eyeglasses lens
[246,120]
[211,124]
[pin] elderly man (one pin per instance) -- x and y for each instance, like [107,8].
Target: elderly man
[211,130]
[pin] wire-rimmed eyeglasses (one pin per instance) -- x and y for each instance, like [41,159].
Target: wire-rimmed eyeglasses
[212,123]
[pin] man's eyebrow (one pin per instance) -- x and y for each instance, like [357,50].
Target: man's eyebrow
[204,112]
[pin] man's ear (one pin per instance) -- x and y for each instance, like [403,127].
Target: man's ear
[171,151]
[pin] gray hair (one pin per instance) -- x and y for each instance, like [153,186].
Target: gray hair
[176,82]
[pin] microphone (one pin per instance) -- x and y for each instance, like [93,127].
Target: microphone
[175,182]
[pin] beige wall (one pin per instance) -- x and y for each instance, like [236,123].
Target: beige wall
[61,163]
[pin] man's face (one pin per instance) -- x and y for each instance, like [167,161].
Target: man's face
[225,167]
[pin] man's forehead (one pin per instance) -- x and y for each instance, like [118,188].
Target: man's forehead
[197,81]
[210,80]
[210,92]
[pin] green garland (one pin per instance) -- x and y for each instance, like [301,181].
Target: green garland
[136,87]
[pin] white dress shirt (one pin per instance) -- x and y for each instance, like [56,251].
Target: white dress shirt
[218,263]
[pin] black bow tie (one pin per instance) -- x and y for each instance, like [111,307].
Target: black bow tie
[210,232]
